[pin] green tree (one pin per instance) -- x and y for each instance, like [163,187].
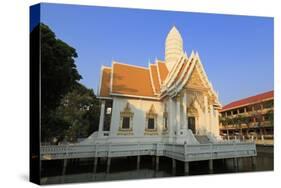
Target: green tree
[246,120]
[235,123]
[227,121]
[224,122]
[271,117]
[240,120]
[58,76]
[80,108]
[58,70]
[258,116]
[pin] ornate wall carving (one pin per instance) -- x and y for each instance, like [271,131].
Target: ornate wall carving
[192,111]
[196,96]
[195,80]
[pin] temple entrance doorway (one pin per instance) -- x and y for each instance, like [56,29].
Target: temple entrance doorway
[191,124]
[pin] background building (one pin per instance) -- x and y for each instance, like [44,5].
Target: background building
[249,118]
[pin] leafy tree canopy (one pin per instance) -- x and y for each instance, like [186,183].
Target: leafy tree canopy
[58,76]
[58,70]
[69,109]
[80,109]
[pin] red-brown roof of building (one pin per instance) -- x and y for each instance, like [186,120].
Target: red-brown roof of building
[249,100]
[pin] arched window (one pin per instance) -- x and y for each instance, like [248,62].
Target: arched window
[151,122]
[126,121]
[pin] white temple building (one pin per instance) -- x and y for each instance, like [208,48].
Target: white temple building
[171,100]
[167,109]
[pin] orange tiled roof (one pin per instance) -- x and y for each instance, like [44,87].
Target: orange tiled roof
[249,100]
[163,71]
[105,82]
[124,79]
[154,75]
[131,80]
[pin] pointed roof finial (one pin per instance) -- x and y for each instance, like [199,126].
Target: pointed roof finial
[173,47]
[174,32]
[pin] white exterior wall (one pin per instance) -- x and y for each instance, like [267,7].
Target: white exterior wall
[139,107]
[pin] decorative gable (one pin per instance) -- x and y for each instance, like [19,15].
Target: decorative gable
[195,81]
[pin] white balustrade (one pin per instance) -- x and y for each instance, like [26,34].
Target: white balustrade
[175,151]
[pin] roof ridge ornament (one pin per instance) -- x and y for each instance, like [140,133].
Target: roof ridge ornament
[173,47]
[156,59]
[185,54]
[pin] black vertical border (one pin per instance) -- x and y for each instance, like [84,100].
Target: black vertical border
[34,96]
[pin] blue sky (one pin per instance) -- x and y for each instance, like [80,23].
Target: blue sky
[236,51]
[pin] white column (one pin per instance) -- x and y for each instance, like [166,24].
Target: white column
[185,126]
[101,117]
[178,112]
[170,117]
[206,111]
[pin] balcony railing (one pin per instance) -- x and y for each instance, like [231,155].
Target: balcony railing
[175,151]
[250,125]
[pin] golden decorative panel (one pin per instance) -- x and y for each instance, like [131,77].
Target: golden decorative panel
[195,79]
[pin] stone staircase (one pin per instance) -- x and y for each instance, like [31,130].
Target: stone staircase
[203,139]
